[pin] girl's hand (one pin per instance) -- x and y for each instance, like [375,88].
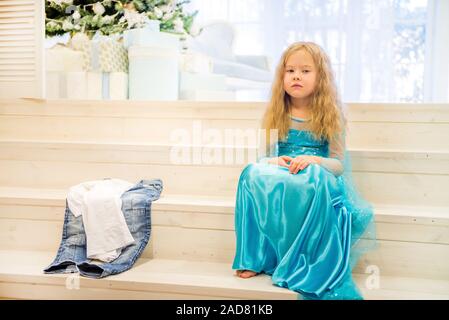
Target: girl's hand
[301,162]
[281,161]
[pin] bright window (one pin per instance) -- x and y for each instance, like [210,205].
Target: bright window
[381,50]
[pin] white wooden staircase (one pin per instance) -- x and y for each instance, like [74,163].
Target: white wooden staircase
[400,158]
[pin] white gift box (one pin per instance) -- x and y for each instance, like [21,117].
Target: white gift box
[197,81]
[56,87]
[60,58]
[107,85]
[149,37]
[58,61]
[93,86]
[76,85]
[195,62]
[104,54]
[118,86]
[153,73]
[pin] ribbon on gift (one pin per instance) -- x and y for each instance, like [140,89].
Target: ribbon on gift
[105,88]
[105,54]
[114,86]
[107,85]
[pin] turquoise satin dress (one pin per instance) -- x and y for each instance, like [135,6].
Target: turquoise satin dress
[303,229]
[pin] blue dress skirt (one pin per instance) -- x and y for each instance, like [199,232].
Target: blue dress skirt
[303,229]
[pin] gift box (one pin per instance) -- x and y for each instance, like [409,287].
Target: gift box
[97,85]
[148,37]
[56,85]
[98,71]
[63,59]
[197,81]
[58,61]
[118,86]
[76,85]
[195,62]
[153,73]
[104,54]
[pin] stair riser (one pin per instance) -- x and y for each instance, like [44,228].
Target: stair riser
[385,135]
[33,290]
[401,189]
[393,228]
[395,258]
[369,161]
[38,235]
[51,292]
[403,251]
[361,112]
[398,136]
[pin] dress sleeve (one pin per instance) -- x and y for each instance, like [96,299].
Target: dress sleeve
[334,163]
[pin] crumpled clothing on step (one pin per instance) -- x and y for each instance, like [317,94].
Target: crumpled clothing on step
[100,205]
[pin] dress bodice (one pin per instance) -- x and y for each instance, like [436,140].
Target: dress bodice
[302,141]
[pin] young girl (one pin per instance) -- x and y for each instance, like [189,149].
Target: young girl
[298,216]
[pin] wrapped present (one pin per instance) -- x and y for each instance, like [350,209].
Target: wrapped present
[107,85]
[58,61]
[94,85]
[56,84]
[195,62]
[97,85]
[76,85]
[153,73]
[104,54]
[197,81]
[117,84]
[149,37]
[63,59]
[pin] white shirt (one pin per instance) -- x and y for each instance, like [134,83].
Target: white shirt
[99,202]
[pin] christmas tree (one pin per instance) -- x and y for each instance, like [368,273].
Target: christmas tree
[115,16]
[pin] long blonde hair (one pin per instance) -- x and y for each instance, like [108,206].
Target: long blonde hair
[327,119]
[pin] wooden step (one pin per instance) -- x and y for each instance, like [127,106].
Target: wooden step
[390,126]
[21,277]
[413,176]
[412,241]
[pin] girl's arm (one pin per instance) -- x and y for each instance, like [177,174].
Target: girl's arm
[334,163]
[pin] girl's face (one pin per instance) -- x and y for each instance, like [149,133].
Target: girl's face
[300,76]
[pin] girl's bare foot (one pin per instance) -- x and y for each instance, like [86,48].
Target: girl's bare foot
[245,274]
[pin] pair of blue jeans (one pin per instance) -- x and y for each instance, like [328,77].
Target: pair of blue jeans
[136,207]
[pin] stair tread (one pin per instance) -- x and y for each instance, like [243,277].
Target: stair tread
[167,275]
[201,278]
